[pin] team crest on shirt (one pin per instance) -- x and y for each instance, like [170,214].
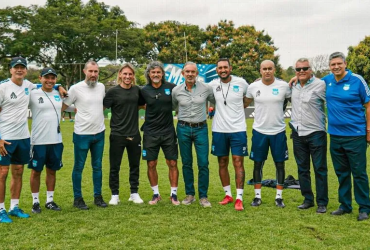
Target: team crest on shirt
[26,91]
[346,87]
[57,98]
[275,91]
[213,148]
[167,91]
[34,163]
[236,89]
[144,153]
[329,84]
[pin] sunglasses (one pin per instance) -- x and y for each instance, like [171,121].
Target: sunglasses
[303,68]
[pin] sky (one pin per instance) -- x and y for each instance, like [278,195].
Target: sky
[299,28]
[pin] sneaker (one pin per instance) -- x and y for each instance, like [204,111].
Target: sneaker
[239,205]
[188,200]
[204,202]
[135,198]
[114,200]
[71,120]
[36,209]
[16,211]
[226,200]
[98,200]
[256,202]
[4,218]
[80,204]
[363,216]
[174,200]
[52,206]
[155,199]
[279,203]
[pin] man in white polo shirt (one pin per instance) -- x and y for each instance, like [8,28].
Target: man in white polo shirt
[229,129]
[269,95]
[89,128]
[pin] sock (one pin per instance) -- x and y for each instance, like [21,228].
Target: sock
[227,190]
[257,193]
[14,203]
[173,191]
[49,196]
[35,198]
[239,194]
[279,194]
[155,189]
[2,206]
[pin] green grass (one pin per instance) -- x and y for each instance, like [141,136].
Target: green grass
[129,226]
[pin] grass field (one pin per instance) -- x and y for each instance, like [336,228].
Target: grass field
[129,226]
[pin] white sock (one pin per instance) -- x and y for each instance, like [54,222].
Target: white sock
[279,194]
[227,190]
[173,191]
[49,196]
[155,189]
[2,206]
[35,198]
[14,203]
[257,193]
[239,194]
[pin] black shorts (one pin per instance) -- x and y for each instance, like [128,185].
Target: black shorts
[152,143]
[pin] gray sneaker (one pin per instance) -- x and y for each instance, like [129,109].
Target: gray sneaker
[204,202]
[188,200]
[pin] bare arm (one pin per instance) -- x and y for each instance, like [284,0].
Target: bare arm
[247,101]
[367,107]
[64,107]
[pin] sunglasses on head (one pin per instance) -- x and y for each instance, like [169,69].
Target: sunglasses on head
[303,68]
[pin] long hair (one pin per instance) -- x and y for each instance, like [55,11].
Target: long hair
[153,65]
[126,65]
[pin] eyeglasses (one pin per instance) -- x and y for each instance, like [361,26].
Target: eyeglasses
[303,68]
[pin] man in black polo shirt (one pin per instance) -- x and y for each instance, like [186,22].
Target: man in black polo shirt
[124,100]
[159,131]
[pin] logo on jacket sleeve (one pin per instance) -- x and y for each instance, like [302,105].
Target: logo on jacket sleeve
[167,91]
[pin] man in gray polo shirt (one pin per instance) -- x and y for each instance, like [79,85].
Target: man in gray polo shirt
[309,134]
[191,98]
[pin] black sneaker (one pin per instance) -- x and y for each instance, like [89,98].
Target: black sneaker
[256,202]
[80,204]
[279,203]
[36,209]
[53,206]
[98,200]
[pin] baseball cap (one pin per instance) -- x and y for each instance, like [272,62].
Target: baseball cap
[18,60]
[47,71]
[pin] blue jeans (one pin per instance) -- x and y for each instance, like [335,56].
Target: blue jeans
[82,144]
[186,136]
[313,145]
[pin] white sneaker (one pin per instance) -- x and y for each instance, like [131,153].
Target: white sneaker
[114,200]
[135,198]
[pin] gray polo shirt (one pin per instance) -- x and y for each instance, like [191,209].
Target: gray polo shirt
[192,105]
[308,107]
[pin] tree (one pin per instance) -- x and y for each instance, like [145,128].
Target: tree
[288,74]
[320,65]
[244,46]
[167,41]
[65,34]
[358,59]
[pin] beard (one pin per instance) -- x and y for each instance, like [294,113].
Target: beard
[92,83]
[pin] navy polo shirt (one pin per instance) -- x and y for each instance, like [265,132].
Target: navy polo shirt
[345,100]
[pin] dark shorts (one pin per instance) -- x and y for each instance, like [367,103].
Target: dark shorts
[152,143]
[49,155]
[261,144]
[222,142]
[18,152]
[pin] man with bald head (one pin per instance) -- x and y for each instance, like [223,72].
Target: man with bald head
[269,95]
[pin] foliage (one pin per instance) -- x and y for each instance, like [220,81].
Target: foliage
[130,226]
[288,74]
[358,59]
[244,46]
[320,65]
[167,41]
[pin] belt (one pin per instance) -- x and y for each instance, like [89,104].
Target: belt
[193,125]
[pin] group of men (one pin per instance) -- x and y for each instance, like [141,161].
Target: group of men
[347,96]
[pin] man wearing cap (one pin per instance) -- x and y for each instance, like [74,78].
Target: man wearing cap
[46,139]
[89,128]
[15,137]
[191,99]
